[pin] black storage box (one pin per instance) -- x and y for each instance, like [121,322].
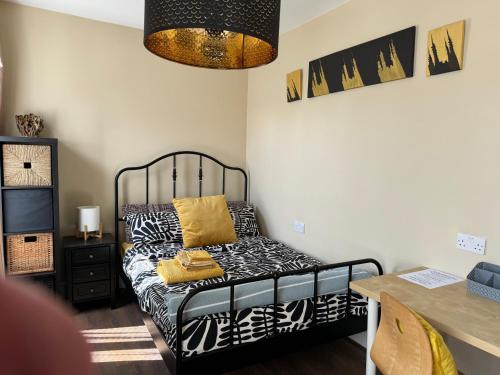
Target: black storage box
[28,210]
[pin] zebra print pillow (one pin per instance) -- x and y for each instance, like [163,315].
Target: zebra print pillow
[133,209]
[242,213]
[154,228]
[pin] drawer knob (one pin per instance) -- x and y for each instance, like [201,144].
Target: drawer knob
[91,256]
[91,273]
[91,290]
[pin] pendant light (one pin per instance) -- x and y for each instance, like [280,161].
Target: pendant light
[219,34]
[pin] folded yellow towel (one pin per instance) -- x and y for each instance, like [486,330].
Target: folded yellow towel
[195,265]
[198,255]
[172,272]
[186,261]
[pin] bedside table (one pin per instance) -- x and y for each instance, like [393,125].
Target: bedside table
[91,268]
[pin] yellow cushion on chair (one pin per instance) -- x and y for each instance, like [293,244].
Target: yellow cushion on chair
[205,221]
[442,360]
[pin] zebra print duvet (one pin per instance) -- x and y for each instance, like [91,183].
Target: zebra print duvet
[251,256]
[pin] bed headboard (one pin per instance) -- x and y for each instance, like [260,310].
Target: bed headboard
[175,173]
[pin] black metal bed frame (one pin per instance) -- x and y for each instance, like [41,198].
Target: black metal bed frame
[351,324]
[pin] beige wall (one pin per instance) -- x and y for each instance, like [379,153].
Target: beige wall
[110,102]
[392,171]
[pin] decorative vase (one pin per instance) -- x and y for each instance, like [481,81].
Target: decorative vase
[29,125]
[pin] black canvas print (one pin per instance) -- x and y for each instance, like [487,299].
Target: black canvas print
[385,59]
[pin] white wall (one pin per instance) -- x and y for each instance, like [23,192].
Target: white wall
[392,171]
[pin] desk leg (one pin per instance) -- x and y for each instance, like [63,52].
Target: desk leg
[370,337]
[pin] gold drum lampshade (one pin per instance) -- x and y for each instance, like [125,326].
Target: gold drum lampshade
[219,34]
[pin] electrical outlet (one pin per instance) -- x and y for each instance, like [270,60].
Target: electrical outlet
[299,227]
[468,242]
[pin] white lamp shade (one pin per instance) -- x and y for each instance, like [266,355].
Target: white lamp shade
[89,216]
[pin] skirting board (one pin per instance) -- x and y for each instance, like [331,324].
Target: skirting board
[359,338]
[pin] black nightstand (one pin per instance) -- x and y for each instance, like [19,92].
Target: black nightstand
[91,269]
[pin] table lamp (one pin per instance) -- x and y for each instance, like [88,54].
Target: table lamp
[89,222]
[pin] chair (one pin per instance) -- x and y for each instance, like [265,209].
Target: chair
[401,344]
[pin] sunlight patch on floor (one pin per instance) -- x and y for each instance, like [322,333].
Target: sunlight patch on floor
[121,335]
[116,335]
[129,355]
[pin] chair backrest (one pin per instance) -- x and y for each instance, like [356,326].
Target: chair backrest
[401,344]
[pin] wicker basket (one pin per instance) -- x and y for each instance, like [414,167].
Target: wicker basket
[26,165]
[30,253]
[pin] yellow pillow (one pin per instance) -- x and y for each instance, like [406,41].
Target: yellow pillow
[442,360]
[205,221]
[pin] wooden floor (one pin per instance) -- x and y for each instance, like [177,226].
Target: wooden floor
[121,345]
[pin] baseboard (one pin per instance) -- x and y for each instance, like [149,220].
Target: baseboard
[360,339]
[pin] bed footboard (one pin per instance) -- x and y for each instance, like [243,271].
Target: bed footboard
[275,277]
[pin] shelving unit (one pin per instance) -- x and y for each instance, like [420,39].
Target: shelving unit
[32,209]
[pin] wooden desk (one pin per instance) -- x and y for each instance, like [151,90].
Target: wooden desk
[450,309]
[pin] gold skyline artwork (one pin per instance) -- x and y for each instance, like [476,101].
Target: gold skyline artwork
[445,48]
[294,86]
[354,80]
[385,59]
[318,83]
[390,72]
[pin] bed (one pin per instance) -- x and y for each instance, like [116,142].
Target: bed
[268,294]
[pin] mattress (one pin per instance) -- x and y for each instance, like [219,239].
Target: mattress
[206,328]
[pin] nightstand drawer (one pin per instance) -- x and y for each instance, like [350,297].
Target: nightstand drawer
[90,255]
[91,290]
[91,268]
[91,273]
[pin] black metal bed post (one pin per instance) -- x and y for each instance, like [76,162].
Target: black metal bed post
[349,294]
[246,188]
[276,278]
[315,296]
[174,178]
[231,315]
[147,185]
[224,181]
[117,216]
[178,342]
[200,176]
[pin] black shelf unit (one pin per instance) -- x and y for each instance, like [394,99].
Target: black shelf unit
[27,187]
[52,279]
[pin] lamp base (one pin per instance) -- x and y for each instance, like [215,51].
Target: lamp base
[86,234]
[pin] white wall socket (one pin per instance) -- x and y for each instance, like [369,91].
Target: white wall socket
[299,226]
[468,242]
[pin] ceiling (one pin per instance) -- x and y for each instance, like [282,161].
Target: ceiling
[131,13]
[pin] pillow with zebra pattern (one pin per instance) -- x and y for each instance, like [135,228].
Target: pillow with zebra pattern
[244,220]
[154,228]
[141,208]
